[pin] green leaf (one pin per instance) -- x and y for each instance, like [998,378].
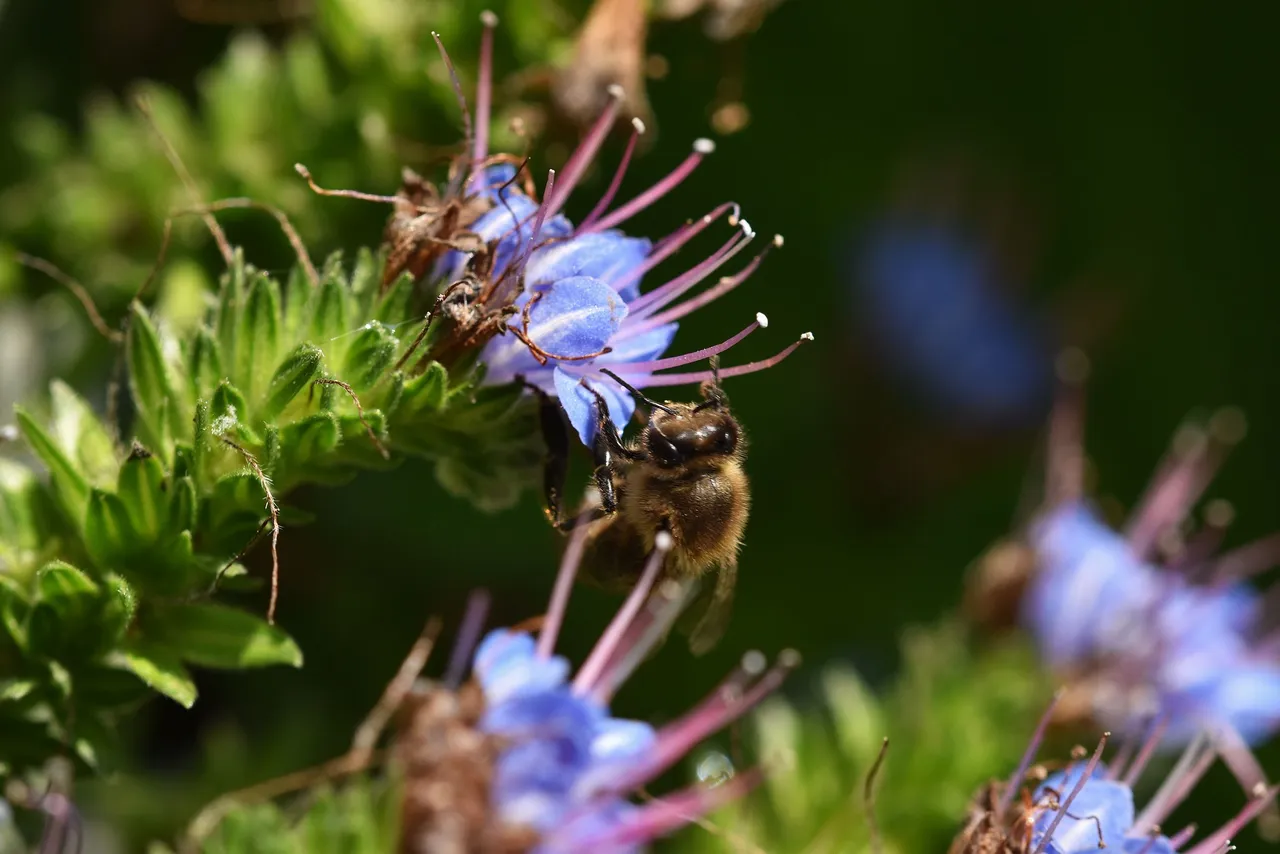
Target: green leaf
[108,531]
[294,374]
[369,356]
[142,489]
[150,381]
[158,667]
[26,520]
[82,435]
[427,391]
[64,617]
[331,317]
[206,362]
[221,637]
[229,411]
[183,505]
[70,484]
[298,291]
[231,294]
[257,335]
[309,438]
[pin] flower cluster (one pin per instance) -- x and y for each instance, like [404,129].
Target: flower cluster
[562,767]
[561,302]
[1089,805]
[1151,627]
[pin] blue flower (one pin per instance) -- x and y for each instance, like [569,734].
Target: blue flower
[937,315]
[1179,644]
[1089,805]
[566,765]
[576,288]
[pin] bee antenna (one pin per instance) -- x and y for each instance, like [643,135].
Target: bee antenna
[639,395]
[869,798]
[714,394]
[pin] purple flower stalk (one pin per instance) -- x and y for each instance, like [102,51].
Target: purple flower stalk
[1089,805]
[1162,631]
[576,288]
[567,766]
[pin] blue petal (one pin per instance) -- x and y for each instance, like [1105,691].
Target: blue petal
[544,714]
[1107,801]
[580,405]
[607,256]
[1147,845]
[572,318]
[647,345]
[582,832]
[1088,590]
[499,224]
[507,666]
[617,738]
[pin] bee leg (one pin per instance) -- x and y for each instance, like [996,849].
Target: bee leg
[555,434]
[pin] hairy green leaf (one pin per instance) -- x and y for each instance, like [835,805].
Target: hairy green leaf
[151,382]
[295,373]
[218,636]
[69,482]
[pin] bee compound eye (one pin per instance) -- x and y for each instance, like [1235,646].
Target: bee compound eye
[662,450]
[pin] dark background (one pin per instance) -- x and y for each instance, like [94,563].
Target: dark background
[1140,141]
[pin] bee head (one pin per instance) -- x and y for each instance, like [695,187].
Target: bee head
[689,433]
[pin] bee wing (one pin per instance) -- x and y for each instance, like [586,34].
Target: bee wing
[707,616]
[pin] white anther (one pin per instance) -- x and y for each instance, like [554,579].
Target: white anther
[638,125]
[777,241]
[808,336]
[663,541]
[702,145]
[762,320]
[616,91]
[754,662]
[488,18]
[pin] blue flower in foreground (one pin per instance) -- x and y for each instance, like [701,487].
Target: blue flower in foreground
[1163,631]
[577,287]
[1089,805]
[566,766]
[937,316]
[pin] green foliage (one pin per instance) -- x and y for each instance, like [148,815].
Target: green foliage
[107,570]
[359,817]
[354,93]
[954,719]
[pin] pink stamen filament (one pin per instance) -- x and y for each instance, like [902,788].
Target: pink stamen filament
[1182,837]
[563,587]
[698,355]
[660,296]
[1065,476]
[1075,792]
[1247,561]
[484,98]
[1029,756]
[637,128]
[613,635]
[652,625]
[684,377]
[667,246]
[723,707]
[708,296]
[1191,766]
[667,814]
[468,635]
[1172,493]
[586,151]
[1148,749]
[701,148]
[1231,828]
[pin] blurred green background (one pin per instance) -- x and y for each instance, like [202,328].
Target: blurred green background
[1139,139]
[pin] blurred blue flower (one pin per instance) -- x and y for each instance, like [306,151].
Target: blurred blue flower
[1157,628]
[937,317]
[566,766]
[576,289]
[1157,644]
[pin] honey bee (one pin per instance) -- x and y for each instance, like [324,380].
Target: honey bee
[683,474]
